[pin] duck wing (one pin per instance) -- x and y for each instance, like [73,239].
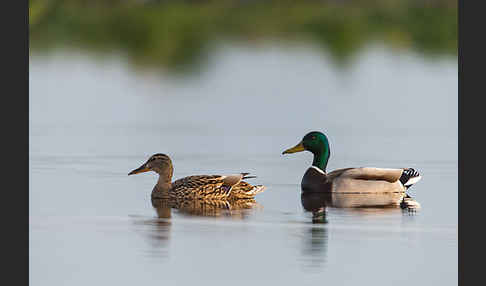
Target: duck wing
[200,186]
[205,186]
[406,176]
[369,173]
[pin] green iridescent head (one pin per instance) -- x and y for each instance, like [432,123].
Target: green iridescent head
[316,143]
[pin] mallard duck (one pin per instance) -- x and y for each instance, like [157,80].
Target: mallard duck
[382,186]
[214,187]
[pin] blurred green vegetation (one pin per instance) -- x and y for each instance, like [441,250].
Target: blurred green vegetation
[176,34]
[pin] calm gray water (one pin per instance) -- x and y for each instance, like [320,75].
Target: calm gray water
[94,119]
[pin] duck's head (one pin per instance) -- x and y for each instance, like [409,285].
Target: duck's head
[159,163]
[316,143]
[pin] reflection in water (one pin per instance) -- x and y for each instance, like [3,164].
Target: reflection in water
[314,247]
[239,209]
[315,241]
[158,233]
[158,230]
[317,203]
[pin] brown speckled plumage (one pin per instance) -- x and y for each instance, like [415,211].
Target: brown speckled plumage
[203,187]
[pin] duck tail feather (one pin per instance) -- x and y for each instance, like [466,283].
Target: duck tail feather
[409,177]
[255,190]
[245,176]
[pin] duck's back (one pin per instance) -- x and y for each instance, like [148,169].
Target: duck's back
[366,180]
[200,186]
[214,187]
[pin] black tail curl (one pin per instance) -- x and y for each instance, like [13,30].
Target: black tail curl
[408,174]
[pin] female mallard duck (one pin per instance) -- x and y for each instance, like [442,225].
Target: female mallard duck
[215,187]
[381,186]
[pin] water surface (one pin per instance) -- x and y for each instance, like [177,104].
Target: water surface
[92,120]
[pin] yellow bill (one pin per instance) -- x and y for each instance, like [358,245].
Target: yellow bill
[297,148]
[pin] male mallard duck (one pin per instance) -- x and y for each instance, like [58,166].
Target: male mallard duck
[386,186]
[215,187]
